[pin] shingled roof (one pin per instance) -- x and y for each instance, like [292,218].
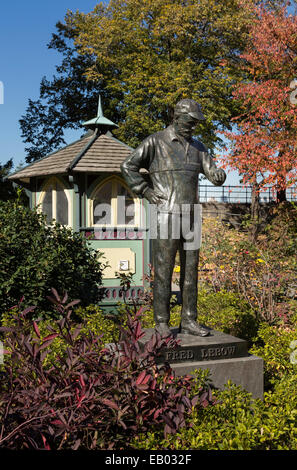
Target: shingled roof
[97,151]
[92,153]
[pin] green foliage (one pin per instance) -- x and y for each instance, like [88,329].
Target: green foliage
[234,421]
[237,422]
[228,312]
[273,345]
[36,257]
[222,311]
[7,190]
[102,325]
[282,230]
[156,53]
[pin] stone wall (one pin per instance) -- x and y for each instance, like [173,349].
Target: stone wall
[234,213]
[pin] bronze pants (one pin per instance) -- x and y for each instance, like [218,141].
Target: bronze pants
[164,253]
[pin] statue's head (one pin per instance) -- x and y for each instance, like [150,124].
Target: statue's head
[187,113]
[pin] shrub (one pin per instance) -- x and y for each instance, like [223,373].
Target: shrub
[282,230]
[36,257]
[273,345]
[148,321]
[259,273]
[228,312]
[96,398]
[101,324]
[236,422]
[91,319]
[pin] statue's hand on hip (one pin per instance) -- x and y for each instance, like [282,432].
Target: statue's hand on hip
[154,197]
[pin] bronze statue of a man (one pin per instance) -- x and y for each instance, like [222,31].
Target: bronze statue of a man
[174,160]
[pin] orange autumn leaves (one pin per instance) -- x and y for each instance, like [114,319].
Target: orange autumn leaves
[265,139]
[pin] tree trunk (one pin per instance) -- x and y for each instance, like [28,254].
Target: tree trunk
[281,195]
[255,213]
[281,186]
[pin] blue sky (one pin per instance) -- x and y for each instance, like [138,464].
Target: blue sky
[25,30]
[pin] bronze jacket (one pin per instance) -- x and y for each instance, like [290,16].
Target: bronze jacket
[173,166]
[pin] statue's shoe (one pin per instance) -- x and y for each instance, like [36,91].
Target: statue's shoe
[163,329]
[193,328]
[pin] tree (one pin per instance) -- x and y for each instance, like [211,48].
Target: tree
[7,189]
[142,57]
[157,52]
[264,142]
[36,257]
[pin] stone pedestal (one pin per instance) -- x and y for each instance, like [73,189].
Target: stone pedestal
[225,356]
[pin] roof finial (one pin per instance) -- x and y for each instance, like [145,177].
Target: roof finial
[100,122]
[99,112]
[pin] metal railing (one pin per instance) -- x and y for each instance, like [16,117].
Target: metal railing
[240,194]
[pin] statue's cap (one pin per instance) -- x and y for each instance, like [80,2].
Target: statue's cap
[189,106]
